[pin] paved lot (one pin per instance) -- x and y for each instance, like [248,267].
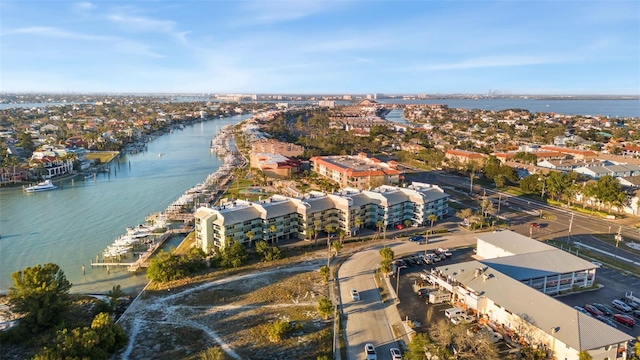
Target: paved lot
[413,307]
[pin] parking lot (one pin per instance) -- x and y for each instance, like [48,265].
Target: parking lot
[413,307]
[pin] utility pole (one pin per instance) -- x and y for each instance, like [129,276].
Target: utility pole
[570,226]
[618,238]
[398,286]
[499,201]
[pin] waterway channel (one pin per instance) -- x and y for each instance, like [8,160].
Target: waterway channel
[69,226]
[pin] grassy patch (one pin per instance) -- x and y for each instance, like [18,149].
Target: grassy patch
[103,156]
[610,239]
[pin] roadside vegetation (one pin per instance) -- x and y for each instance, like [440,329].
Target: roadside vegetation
[53,324]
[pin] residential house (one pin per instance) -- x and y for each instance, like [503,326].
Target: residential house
[464,156]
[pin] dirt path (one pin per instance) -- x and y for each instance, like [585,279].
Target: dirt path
[198,309]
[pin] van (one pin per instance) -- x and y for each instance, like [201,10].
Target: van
[453,312]
[621,305]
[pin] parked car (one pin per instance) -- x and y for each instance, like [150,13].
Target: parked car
[607,321]
[582,310]
[426,259]
[597,263]
[462,319]
[399,226]
[632,304]
[370,352]
[621,305]
[636,314]
[395,354]
[423,292]
[604,308]
[416,238]
[593,310]
[624,319]
[535,225]
[355,296]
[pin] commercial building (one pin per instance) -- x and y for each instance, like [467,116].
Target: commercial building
[349,210]
[464,156]
[508,287]
[360,171]
[275,165]
[276,147]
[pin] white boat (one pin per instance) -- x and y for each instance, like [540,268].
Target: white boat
[43,186]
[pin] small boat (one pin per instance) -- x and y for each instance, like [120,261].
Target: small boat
[160,154]
[43,186]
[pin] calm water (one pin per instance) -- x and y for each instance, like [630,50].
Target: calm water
[72,224]
[614,108]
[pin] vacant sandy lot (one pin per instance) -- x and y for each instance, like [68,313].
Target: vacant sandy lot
[233,312]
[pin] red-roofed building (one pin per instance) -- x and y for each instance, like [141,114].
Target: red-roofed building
[358,171]
[464,156]
[575,153]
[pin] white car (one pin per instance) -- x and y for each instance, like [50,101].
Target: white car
[395,354]
[462,319]
[355,296]
[370,352]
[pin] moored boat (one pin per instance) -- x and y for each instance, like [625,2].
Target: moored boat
[43,186]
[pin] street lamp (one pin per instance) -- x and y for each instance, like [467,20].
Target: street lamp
[543,184]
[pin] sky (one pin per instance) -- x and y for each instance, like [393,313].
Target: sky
[321,47]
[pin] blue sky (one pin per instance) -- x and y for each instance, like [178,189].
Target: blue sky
[521,47]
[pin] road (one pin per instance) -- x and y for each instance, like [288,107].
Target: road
[369,320]
[582,225]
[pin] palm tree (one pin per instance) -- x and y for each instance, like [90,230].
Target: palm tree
[337,246]
[379,225]
[432,218]
[311,233]
[358,221]
[273,229]
[341,234]
[250,236]
[317,226]
[407,224]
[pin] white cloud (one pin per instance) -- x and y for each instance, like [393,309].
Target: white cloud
[83,7]
[269,12]
[495,61]
[48,31]
[147,24]
[136,48]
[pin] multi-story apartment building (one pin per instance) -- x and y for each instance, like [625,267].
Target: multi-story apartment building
[360,171]
[272,146]
[281,217]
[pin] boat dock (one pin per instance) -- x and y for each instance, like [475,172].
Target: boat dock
[143,260]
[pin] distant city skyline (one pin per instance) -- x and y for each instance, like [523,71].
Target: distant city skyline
[323,47]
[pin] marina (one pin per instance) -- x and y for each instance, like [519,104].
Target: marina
[75,223]
[143,240]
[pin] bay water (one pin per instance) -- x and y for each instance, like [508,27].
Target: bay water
[70,225]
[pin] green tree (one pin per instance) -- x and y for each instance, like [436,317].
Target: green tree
[165,267]
[407,224]
[385,266]
[417,347]
[250,234]
[325,307]
[432,218]
[278,330]
[386,253]
[233,255]
[324,273]
[41,294]
[114,296]
[99,341]
[584,355]
[213,353]
[268,253]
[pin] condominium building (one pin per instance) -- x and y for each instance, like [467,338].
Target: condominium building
[349,210]
[359,171]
